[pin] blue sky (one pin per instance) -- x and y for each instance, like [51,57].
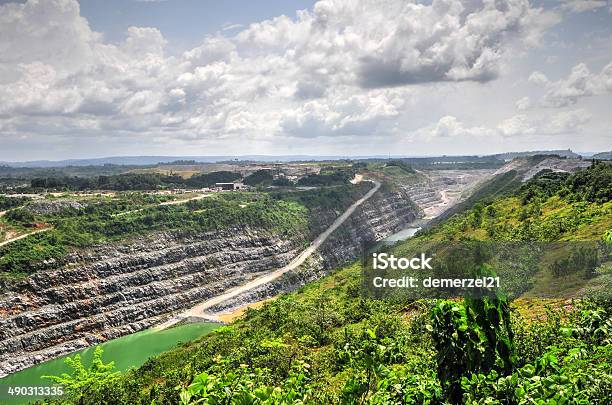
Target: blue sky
[357,77]
[183,22]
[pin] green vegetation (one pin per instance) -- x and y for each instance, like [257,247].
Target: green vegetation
[122,182]
[327,177]
[261,177]
[283,182]
[401,165]
[20,216]
[324,201]
[326,344]
[7,172]
[133,181]
[101,222]
[474,338]
[549,207]
[82,381]
[209,179]
[105,220]
[7,203]
[593,184]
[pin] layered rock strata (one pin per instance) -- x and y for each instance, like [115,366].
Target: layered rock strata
[117,289]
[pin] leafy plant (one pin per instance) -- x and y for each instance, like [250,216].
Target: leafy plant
[82,381]
[471,338]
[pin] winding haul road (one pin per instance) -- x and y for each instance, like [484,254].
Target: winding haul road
[198,310]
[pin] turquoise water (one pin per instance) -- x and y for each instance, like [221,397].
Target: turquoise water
[401,235]
[127,351]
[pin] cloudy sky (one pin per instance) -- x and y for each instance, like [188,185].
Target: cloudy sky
[337,77]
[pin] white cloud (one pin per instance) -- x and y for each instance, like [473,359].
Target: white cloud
[341,114]
[538,78]
[580,6]
[579,84]
[517,125]
[451,127]
[520,125]
[567,122]
[343,68]
[144,41]
[523,104]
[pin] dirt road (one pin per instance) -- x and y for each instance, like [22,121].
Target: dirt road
[198,310]
[25,235]
[173,202]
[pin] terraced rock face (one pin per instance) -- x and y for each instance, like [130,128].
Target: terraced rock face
[113,290]
[122,289]
[527,168]
[441,189]
[384,214]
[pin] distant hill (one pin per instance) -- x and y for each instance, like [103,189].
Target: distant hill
[154,160]
[511,155]
[603,155]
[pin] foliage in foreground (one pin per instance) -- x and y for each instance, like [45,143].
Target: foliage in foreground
[326,344]
[82,381]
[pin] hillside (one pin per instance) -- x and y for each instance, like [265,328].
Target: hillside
[561,153]
[329,344]
[603,155]
[552,206]
[509,178]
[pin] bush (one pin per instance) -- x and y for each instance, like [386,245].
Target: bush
[83,382]
[20,216]
[261,177]
[473,338]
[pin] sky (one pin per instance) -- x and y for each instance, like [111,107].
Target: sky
[331,77]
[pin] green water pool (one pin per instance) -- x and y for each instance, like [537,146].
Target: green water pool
[127,351]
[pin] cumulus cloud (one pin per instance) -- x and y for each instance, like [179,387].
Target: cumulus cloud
[447,41]
[580,6]
[523,104]
[517,125]
[343,115]
[560,123]
[580,83]
[566,122]
[451,127]
[342,68]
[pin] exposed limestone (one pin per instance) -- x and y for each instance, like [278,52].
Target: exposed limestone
[556,164]
[117,289]
[48,207]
